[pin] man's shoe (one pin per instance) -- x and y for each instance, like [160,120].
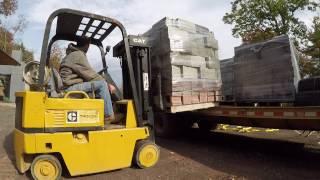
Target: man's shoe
[108,119]
[117,118]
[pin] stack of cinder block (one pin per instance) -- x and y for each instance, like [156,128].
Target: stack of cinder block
[185,65]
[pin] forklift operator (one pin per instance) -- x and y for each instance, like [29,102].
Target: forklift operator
[78,75]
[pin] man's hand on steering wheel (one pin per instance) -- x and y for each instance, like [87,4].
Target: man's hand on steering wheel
[112,89]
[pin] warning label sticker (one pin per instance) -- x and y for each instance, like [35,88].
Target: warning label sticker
[145,82]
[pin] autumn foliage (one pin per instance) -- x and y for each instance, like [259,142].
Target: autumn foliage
[260,20]
[8,31]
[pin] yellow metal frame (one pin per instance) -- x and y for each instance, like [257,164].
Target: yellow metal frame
[40,111]
[93,152]
[82,152]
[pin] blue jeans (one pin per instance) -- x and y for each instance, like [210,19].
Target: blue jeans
[101,90]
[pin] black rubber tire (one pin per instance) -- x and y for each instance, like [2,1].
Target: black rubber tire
[309,84]
[308,98]
[206,126]
[47,157]
[165,125]
[139,146]
[185,123]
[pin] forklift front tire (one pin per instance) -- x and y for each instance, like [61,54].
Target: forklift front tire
[146,154]
[46,167]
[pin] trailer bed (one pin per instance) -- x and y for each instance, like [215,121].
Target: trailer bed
[302,118]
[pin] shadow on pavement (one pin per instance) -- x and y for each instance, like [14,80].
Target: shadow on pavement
[8,146]
[242,156]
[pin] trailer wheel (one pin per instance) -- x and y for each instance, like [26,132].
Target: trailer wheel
[165,125]
[206,126]
[45,167]
[146,154]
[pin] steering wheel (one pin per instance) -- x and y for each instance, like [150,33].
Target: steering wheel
[31,73]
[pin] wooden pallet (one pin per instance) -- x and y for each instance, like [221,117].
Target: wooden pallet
[191,107]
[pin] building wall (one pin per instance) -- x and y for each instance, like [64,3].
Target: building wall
[16,73]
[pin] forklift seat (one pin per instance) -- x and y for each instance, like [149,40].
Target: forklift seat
[56,84]
[58,87]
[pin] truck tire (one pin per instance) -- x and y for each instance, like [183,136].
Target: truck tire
[165,125]
[185,122]
[206,126]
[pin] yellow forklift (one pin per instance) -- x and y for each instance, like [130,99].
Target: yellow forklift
[55,129]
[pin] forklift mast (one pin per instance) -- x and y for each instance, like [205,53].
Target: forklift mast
[140,55]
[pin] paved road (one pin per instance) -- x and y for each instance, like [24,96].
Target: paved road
[219,155]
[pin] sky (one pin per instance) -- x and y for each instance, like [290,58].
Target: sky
[137,16]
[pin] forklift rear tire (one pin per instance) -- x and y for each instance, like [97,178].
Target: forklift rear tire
[146,154]
[206,126]
[46,167]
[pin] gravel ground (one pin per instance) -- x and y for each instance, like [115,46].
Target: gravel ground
[218,155]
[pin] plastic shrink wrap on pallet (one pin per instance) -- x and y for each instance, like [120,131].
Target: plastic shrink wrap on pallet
[266,71]
[227,77]
[185,64]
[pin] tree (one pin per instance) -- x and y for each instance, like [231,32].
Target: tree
[9,29]
[27,55]
[313,46]
[308,67]
[259,20]
[6,40]
[310,61]
[258,35]
[8,7]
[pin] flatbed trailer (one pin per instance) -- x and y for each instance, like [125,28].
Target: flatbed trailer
[296,118]
[288,117]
